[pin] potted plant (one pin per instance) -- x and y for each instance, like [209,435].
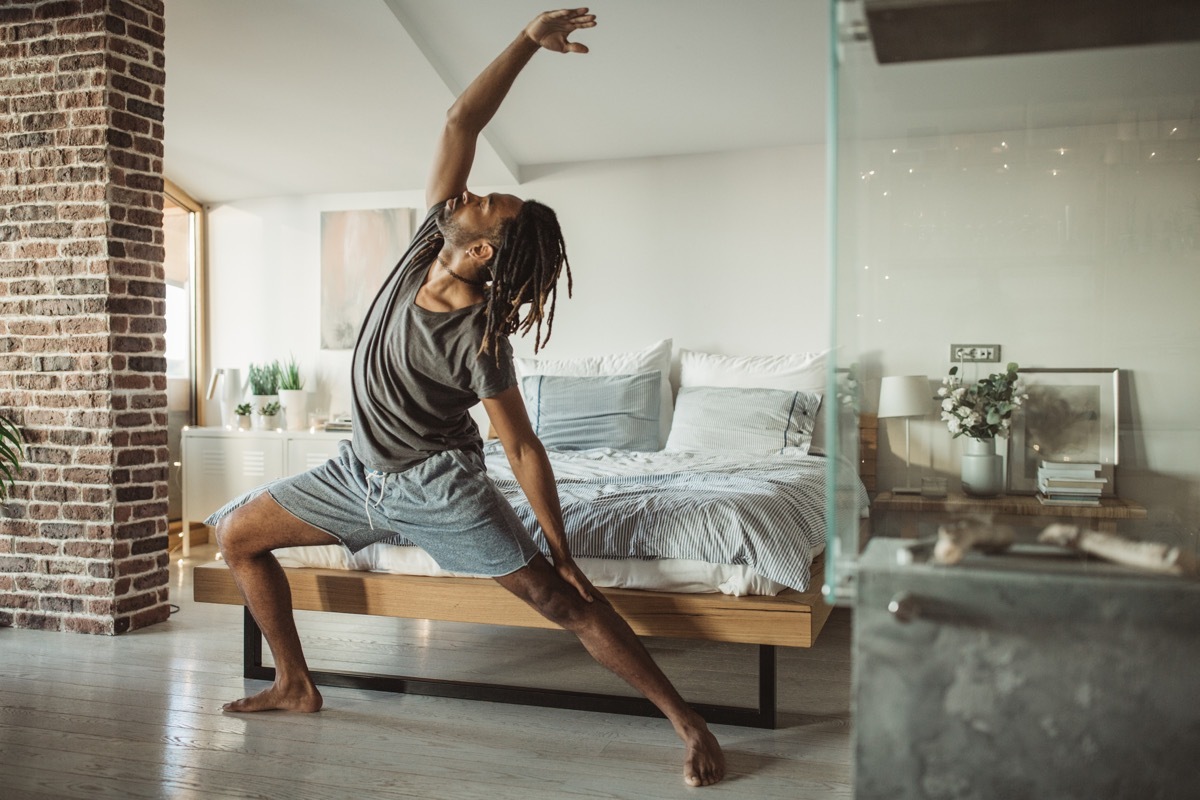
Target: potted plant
[268,416]
[11,444]
[981,412]
[264,383]
[243,412]
[292,395]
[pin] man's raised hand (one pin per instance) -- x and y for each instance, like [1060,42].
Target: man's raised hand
[551,28]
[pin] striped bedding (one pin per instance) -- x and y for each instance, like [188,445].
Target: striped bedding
[766,512]
[678,521]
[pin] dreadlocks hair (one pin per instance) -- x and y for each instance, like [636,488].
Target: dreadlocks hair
[530,256]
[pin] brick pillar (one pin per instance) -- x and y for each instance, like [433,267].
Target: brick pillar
[83,543]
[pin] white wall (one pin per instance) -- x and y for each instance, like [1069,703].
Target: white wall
[1070,247]
[1097,266]
[723,253]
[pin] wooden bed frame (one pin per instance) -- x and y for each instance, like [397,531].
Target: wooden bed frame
[789,619]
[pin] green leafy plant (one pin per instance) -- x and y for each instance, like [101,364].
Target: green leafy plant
[289,375]
[983,410]
[243,410]
[270,409]
[11,450]
[264,378]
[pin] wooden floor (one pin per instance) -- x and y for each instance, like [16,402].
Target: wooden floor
[138,716]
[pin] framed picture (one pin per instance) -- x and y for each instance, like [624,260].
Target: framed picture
[1070,416]
[358,250]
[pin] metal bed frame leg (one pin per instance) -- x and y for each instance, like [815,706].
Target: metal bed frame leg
[252,649]
[767,686]
[762,717]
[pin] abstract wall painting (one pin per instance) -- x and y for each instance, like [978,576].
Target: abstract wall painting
[358,250]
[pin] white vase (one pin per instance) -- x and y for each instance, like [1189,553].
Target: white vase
[257,403]
[982,473]
[295,408]
[232,391]
[266,422]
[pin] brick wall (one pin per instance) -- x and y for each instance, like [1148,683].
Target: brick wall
[83,542]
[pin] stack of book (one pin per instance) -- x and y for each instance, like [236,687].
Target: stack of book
[1070,484]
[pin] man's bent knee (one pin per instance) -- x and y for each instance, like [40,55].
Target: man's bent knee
[233,539]
[262,525]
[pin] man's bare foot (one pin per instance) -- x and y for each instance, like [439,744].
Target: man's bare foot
[705,762]
[275,697]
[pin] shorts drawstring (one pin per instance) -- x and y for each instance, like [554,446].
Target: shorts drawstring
[367,502]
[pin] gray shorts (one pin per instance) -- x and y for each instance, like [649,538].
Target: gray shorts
[446,505]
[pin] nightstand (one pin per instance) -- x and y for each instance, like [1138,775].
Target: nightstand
[901,514]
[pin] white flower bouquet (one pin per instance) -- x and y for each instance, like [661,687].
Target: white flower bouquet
[983,410]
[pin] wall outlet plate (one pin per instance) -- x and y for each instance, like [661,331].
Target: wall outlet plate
[987,353]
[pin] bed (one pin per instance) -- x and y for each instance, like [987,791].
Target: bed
[702,516]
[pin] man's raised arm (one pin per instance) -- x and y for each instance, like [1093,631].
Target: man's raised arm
[476,106]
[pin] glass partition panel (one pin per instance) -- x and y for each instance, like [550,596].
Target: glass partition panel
[1040,208]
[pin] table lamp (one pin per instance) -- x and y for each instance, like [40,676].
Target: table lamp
[905,396]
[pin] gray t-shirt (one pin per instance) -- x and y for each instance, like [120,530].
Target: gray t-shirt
[416,372]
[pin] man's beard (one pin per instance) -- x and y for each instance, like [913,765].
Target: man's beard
[455,235]
[452,230]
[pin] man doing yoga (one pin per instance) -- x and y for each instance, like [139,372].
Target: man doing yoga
[433,344]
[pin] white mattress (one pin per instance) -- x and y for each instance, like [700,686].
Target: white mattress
[662,574]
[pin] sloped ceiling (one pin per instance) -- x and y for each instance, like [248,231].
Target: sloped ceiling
[278,97]
[288,97]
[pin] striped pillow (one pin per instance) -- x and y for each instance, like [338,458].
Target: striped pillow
[579,413]
[742,420]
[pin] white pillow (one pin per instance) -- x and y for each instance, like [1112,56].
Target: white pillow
[801,372]
[730,418]
[655,357]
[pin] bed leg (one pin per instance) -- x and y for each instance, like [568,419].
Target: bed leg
[766,686]
[252,649]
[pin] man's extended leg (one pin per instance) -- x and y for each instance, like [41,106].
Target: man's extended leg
[246,538]
[610,640]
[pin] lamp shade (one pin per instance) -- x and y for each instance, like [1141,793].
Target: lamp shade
[905,396]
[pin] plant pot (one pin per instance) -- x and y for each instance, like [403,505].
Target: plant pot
[257,403]
[982,468]
[266,422]
[243,422]
[295,408]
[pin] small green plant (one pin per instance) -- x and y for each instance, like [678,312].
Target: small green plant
[264,378]
[289,375]
[270,409]
[11,445]
[243,410]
